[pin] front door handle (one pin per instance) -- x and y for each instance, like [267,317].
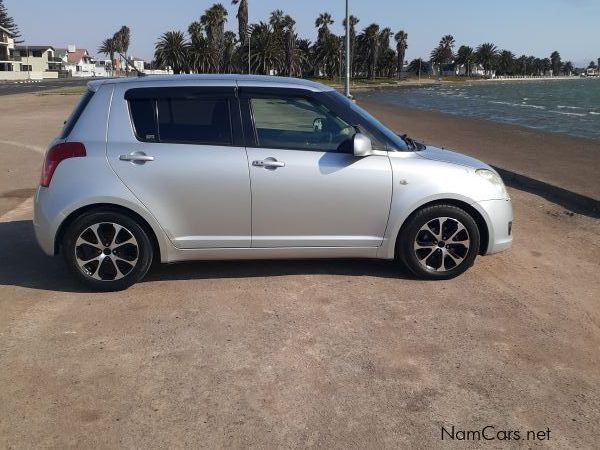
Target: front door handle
[268,163]
[137,157]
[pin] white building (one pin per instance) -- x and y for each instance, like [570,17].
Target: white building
[77,62]
[138,63]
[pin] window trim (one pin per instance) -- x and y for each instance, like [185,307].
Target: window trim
[82,105]
[228,94]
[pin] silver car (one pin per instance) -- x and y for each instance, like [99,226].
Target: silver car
[246,167]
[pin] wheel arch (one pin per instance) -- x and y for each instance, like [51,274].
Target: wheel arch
[482,225]
[108,207]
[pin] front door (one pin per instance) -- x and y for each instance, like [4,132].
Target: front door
[308,189]
[180,151]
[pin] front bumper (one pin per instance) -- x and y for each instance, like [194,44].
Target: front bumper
[499,219]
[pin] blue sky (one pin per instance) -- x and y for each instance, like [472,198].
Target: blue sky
[523,26]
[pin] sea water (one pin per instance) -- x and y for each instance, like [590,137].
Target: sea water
[569,106]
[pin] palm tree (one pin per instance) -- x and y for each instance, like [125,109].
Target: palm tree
[199,51]
[568,68]
[388,63]
[521,64]
[486,56]
[322,23]
[556,63]
[369,49]
[417,66]
[546,65]
[304,47]
[229,51]
[109,48]
[277,20]
[242,16]
[328,54]
[294,57]
[506,62]
[384,46]
[213,21]
[466,57]
[172,50]
[443,53]
[266,53]
[122,39]
[353,22]
[401,45]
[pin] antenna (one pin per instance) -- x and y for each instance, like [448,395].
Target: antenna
[139,73]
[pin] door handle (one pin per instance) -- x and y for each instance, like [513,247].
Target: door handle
[137,157]
[268,163]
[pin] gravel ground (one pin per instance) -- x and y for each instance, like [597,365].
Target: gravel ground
[334,354]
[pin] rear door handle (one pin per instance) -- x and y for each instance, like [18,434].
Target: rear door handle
[139,157]
[268,163]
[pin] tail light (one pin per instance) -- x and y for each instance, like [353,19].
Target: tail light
[59,153]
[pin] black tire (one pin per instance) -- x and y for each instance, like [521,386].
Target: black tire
[436,259]
[119,270]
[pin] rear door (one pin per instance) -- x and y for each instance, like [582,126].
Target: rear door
[180,151]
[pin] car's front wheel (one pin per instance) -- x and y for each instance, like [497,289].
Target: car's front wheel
[108,251]
[439,242]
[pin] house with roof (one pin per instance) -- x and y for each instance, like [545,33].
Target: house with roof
[37,58]
[77,61]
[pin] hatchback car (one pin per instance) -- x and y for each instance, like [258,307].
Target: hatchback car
[245,167]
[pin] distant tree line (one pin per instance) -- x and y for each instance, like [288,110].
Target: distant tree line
[273,47]
[493,60]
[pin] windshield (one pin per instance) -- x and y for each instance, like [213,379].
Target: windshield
[395,141]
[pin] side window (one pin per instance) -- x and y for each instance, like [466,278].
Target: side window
[194,120]
[300,124]
[190,120]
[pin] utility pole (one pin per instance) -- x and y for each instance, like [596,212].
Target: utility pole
[347,50]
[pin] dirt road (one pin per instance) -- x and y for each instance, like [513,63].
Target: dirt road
[344,354]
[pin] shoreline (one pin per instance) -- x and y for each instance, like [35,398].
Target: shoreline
[557,160]
[381,83]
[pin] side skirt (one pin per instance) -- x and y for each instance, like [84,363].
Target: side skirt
[176,255]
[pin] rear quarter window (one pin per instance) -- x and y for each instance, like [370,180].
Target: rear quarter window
[76,114]
[143,115]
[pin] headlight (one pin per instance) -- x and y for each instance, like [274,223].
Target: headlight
[495,179]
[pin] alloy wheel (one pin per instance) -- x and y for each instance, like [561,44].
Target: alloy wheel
[442,244]
[106,251]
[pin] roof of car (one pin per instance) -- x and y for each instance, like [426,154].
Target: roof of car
[247,80]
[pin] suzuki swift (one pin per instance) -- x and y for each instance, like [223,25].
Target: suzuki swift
[244,167]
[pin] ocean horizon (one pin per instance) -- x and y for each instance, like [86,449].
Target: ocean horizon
[569,107]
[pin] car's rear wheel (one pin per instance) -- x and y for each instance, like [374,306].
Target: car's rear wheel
[439,242]
[108,251]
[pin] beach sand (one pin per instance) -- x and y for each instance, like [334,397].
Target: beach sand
[563,161]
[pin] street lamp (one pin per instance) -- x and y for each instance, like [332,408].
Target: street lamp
[28,66]
[249,50]
[347,50]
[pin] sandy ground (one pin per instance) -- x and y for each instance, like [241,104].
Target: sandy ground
[334,354]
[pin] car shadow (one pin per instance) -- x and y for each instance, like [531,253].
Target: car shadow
[23,264]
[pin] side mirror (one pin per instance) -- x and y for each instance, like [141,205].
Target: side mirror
[362,145]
